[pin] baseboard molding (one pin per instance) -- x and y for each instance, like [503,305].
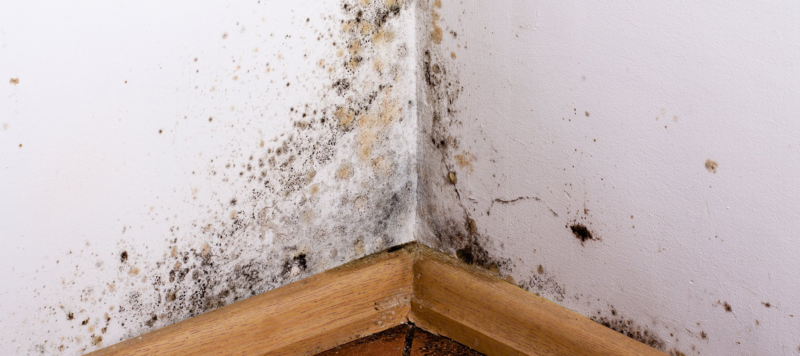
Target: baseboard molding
[490,315]
[413,283]
[302,318]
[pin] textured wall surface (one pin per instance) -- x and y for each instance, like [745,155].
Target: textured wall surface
[160,159]
[635,162]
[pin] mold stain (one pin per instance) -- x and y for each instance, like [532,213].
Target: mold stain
[630,329]
[581,232]
[727,307]
[14,81]
[337,185]
[711,166]
[445,223]
[544,285]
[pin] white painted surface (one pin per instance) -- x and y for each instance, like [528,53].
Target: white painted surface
[607,112]
[666,85]
[134,126]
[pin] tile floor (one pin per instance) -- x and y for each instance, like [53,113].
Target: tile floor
[403,340]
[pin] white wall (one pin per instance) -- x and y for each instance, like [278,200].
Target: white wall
[533,118]
[604,114]
[200,139]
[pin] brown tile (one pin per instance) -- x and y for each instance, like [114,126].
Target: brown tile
[427,344]
[386,343]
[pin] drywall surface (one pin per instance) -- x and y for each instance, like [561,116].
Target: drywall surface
[162,159]
[635,162]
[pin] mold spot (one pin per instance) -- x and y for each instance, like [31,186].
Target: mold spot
[581,232]
[727,307]
[711,166]
[544,285]
[475,254]
[123,257]
[14,81]
[631,329]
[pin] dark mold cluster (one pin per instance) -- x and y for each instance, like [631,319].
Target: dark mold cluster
[581,232]
[338,184]
[630,329]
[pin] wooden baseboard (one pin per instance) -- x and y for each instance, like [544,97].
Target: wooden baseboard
[492,316]
[302,318]
[414,283]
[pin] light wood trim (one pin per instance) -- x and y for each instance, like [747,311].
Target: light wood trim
[492,316]
[415,283]
[302,318]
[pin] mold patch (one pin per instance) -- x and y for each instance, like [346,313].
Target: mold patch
[339,183]
[581,232]
[630,329]
[711,166]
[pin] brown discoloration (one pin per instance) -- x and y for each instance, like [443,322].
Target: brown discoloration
[452,177]
[727,307]
[711,166]
[464,161]
[631,329]
[344,172]
[581,232]
[336,185]
[14,81]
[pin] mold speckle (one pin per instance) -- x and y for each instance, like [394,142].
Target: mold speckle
[727,307]
[581,232]
[630,329]
[544,285]
[711,166]
[14,81]
[338,184]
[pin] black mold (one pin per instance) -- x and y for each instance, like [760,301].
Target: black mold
[631,329]
[581,232]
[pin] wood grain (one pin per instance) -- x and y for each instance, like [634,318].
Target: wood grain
[496,318]
[437,292]
[302,318]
